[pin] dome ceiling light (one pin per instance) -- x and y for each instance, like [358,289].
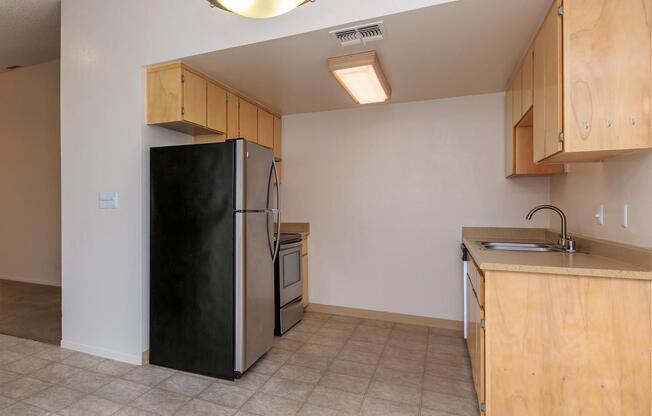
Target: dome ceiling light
[258,9]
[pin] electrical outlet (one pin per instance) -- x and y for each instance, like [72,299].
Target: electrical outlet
[599,215]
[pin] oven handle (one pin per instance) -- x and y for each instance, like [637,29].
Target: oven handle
[278,212]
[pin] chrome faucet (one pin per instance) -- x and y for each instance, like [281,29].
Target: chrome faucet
[565,242]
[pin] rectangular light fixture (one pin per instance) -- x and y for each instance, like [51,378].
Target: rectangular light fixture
[361,76]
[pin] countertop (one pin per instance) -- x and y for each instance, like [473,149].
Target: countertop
[595,257]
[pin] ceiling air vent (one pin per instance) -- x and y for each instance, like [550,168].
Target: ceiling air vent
[359,35]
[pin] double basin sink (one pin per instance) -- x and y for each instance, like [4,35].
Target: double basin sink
[534,247]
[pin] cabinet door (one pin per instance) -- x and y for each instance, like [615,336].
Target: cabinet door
[607,67]
[248,121]
[551,32]
[216,108]
[539,103]
[265,128]
[517,96]
[526,90]
[475,341]
[194,98]
[509,134]
[277,138]
[164,95]
[233,116]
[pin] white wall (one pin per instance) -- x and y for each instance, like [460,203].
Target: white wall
[614,182]
[386,190]
[30,182]
[104,46]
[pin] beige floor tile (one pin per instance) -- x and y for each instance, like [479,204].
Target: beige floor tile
[113,368]
[132,411]
[311,410]
[362,346]
[445,385]
[446,340]
[403,364]
[29,347]
[55,373]
[317,349]
[405,345]
[335,333]
[23,409]
[6,376]
[265,366]
[55,398]
[335,343]
[377,323]
[350,354]
[87,381]
[91,406]
[401,393]
[316,362]
[447,403]
[7,357]
[352,368]
[308,326]
[317,315]
[185,384]
[82,360]
[8,340]
[371,334]
[287,344]
[290,389]
[161,402]
[27,365]
[22,388]
[226,395]
[391,376]
[249,381]
[345,382]
[148,375]
[447,332]
[336,399]
[454,373]
[340,326]
[6,402]
[454,350]
[297,336]
[345,319]
[198,407]
[378,407]
[54,354]
[297,373]
[416,329]
[269,405]
[393,352]
[278,355]
[121,391]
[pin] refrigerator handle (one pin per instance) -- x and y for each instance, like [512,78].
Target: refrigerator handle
[278,211]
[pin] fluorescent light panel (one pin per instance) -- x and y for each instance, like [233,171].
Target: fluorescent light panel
[362,77]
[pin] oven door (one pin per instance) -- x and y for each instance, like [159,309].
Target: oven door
[290,273]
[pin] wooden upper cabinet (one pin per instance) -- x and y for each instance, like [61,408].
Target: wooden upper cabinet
[607,67]
[194,98]
[265,129]
[216,108]
[277,138]
[517,96]
[232,116]
[526,82]
[248,121]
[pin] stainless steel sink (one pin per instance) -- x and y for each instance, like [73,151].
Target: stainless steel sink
[536,247]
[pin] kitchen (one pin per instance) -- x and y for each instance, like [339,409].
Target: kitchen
[490,110]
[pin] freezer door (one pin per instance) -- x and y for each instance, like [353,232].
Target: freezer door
[254,163]
[254,290]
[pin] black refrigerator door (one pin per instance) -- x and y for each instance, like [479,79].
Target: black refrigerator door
[192,229]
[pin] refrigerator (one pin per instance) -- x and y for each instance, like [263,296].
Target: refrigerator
[212,251]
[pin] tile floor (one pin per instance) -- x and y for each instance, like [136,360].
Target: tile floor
[325,366]
[30,311]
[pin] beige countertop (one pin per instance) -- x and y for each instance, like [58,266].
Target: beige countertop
[598,258]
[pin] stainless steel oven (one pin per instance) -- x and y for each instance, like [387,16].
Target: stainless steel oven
[289,283]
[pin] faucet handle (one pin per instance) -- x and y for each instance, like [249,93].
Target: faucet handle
[570,245]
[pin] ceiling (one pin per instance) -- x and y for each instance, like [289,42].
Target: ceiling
[29,32]
[460,48]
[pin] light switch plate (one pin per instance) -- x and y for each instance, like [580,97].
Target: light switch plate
[108,200]
[625,221]
[599,215]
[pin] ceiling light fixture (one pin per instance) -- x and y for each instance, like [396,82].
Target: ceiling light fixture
[362,77]
[258,9]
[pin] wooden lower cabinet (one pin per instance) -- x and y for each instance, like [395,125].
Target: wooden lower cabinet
[304,268]
[561,345]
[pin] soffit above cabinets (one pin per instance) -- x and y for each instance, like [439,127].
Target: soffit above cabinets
[458,48]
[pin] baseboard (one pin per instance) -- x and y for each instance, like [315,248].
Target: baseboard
[35,281]
[103,352]
[146,357]
[387,316]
